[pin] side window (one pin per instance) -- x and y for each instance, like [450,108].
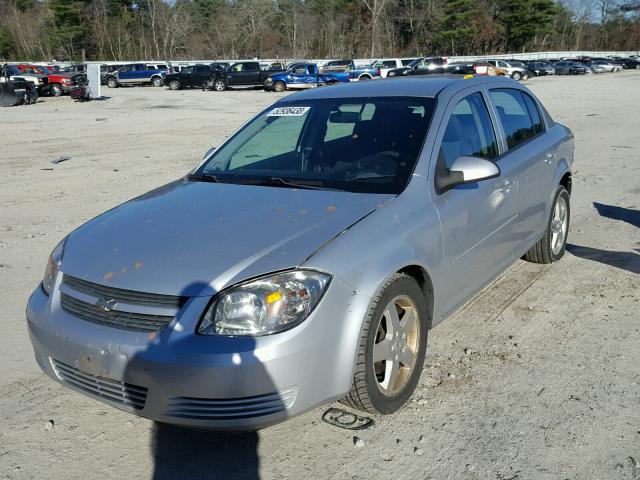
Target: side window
[251,67]
[300,70]
[469,132]
[534,113]
[237,67]
[514,116]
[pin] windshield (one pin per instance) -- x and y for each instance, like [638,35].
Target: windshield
[353,144]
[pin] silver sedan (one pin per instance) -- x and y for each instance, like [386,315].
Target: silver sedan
[305,259]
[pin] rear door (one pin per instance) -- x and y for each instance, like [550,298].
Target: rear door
[531,153]
[477,219]
[244,73]
[200,75]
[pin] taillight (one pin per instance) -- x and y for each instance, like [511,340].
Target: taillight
[378,72]
[475,68]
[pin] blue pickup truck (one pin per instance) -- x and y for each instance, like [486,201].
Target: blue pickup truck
[303,75]
[349,66]
[138,74]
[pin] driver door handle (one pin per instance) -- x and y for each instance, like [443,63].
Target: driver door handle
[505,185]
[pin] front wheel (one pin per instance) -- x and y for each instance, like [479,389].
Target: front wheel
[516,76]
[56,90]
[551,247]
[219,86]
[112,83]
[279,86]
[174,85]
[392,348]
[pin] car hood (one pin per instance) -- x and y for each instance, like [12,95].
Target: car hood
[194,238]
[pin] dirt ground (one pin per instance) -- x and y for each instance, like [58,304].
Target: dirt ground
[537,378]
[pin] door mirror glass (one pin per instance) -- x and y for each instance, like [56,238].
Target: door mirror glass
[209,152]
[467,169]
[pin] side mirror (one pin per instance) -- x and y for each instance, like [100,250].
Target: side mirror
[209,152]
[466,169]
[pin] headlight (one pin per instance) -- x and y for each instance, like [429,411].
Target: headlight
[53,266]
[266,305]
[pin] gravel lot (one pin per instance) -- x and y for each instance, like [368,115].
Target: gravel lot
[537,378]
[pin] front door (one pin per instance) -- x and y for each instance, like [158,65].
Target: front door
[477,218]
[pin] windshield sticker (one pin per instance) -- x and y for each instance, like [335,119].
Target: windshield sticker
[288,112]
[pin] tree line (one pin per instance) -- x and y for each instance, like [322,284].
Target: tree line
[208,29]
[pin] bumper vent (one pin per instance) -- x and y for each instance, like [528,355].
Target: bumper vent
[118,392]
[231,409]
[118,308]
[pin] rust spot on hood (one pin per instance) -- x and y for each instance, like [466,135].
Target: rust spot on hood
[138,265]
[330,208]
[108,275]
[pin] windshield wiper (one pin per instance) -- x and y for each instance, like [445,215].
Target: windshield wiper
[204,178]
[305,184]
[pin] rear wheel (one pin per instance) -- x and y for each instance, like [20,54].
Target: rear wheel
[525,76]
[279,86]
[174,85]
[550,248]
[364,77]
[112,82]
[56,90]
[219,85]
[392,348]
[157,81]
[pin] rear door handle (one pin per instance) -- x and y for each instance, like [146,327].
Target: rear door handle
[549,157]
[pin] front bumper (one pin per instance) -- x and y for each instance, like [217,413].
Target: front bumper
[222,383]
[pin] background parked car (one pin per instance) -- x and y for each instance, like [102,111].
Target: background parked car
[606,65]
[569,68]
[385,65]
[30,74]
[105,71]
[138,74]
[538,69]
[628,63]
[239,75]
[515,69]
[355,73]
[190,76]
[421,66]
[303,75]
[61,82]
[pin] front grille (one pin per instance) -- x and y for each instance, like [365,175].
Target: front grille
[116,307]
[112,390]
[121,295]
[137,322]
[231,409]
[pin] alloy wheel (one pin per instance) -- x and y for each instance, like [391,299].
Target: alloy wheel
[396,344]
[559,225]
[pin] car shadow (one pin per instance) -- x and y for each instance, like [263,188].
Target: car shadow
[187,453]
[628,261]
[628,215]
[203,381]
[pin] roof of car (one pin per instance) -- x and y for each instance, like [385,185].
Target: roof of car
[415,86]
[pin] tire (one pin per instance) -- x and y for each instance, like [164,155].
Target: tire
[157,82]
[516,76]
[525,77]
[368,392]
[279,86]
[219,85]
[112,82]
[575,72]
[364,77]
[265,86]
[56,90]
[174,85]
[545,251]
